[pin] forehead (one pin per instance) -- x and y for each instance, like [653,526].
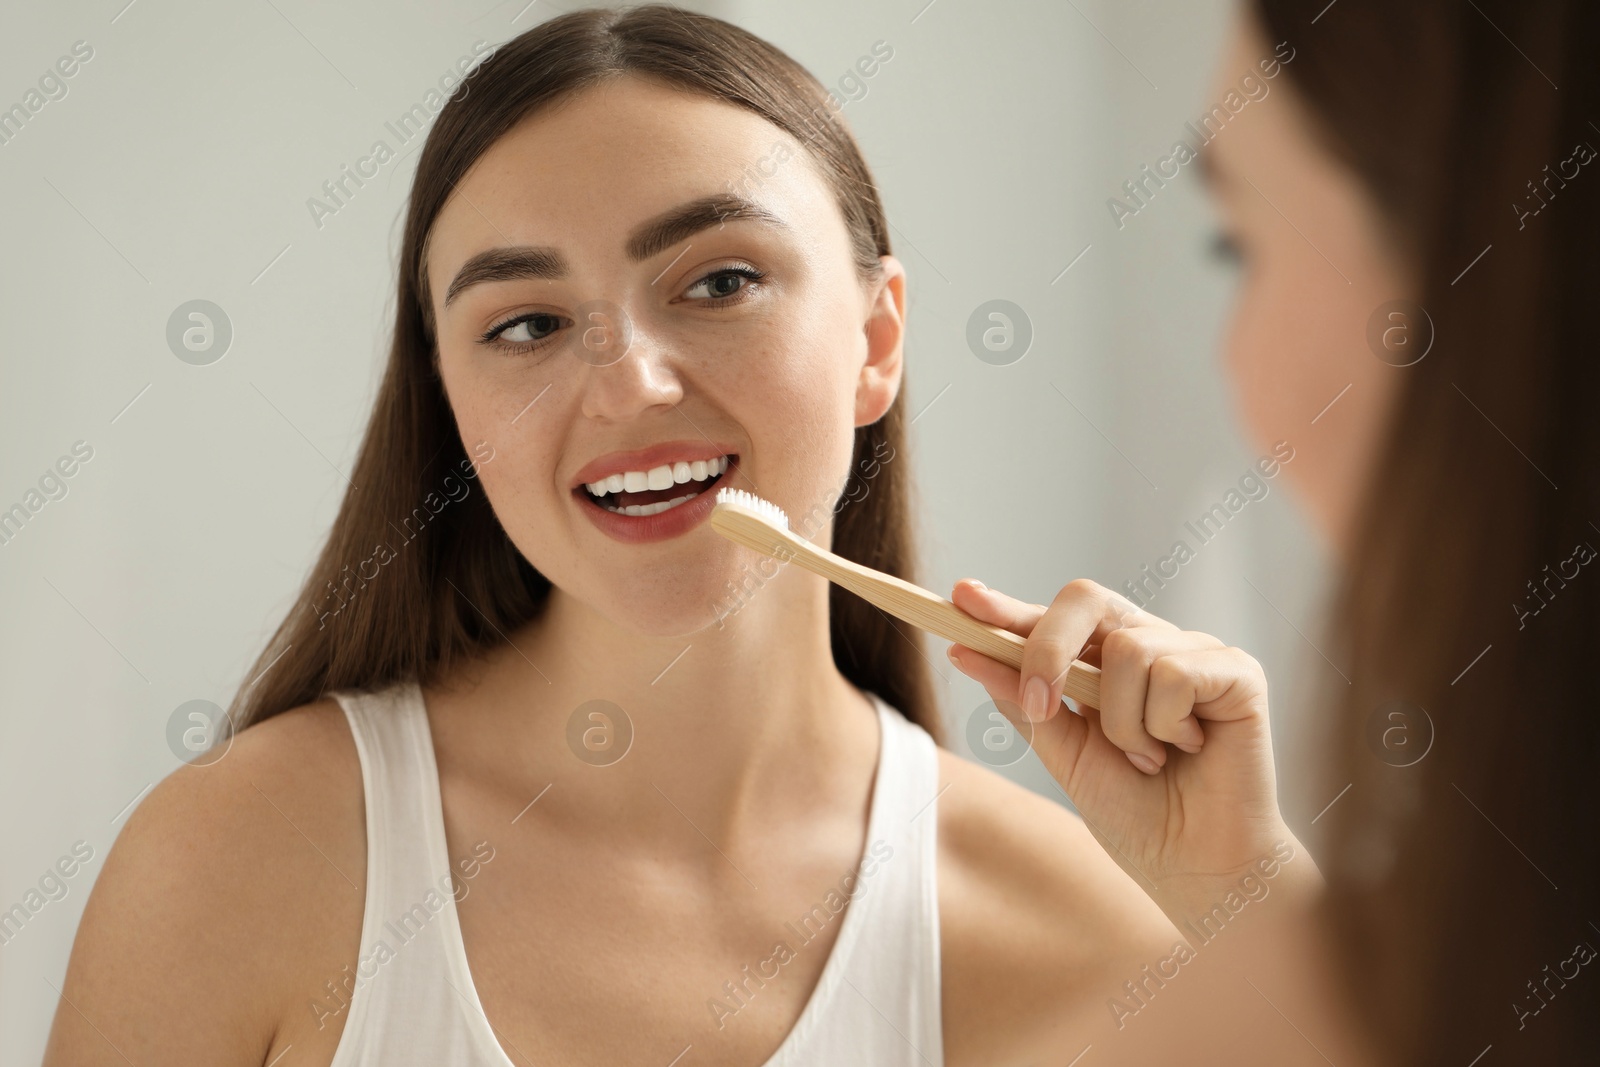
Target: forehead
[592,166]
[1272,134]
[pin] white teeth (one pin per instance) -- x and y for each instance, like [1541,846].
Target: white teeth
[662,477]
[653,509]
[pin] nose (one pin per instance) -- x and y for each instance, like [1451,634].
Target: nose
[629,371]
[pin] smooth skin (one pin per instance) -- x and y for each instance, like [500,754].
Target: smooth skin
[615,907]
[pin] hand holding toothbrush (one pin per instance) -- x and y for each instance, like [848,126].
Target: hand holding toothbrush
[1173,772]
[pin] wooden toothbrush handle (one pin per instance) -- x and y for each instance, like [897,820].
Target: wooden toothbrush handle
[1082,681]
[914,604]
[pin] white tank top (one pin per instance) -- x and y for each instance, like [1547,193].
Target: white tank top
[877,1001]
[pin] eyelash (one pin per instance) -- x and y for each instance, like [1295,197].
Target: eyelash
[749,273]
[491,337]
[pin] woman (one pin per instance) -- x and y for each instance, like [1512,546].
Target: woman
[669,802]
[1418,231]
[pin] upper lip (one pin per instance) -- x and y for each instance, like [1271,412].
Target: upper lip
[643,459]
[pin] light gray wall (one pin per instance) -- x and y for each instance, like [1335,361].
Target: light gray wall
[178,166]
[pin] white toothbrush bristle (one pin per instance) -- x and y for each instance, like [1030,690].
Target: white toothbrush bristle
[766,509]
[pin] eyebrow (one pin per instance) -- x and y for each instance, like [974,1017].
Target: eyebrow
[648,239]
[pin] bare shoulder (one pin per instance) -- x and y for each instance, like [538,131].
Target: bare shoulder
[228,886]
[1038,924]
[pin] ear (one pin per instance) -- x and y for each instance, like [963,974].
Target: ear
[885,329]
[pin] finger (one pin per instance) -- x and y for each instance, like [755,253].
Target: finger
[1058,742]
[1082,612]
[1126,656]
[999,680]
[1019,617]
[1217,684]
[995,608]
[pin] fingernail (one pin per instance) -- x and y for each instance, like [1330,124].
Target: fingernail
[979,584]
[1143,762]
[951,652]
[1035,699]
[1191,749]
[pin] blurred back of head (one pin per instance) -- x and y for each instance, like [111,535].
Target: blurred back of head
[1463,859]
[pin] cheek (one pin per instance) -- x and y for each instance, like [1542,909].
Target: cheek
[509,400]
[1258,353]
[493,407]
[794,392]
[799,423]
[1294,343]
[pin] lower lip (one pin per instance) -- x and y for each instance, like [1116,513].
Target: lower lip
[663,525]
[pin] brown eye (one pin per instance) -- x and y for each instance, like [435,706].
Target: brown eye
[723,284]
[527,328]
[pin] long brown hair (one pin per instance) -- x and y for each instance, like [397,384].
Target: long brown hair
[1463,876]
[417,573]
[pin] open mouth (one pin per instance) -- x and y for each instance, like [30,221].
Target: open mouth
[642,493]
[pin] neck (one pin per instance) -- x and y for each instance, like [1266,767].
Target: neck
[746,718]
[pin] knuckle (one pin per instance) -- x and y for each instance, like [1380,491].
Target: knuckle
[1121,648]
[1250,677]
[1081,589]
[1168,672]
[1246,662]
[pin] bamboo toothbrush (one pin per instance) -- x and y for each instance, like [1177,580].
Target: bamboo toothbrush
[762,525]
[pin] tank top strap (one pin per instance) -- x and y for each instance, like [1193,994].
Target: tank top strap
[413,998]
[878,999]
[896,968]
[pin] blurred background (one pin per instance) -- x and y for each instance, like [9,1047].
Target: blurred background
[179,161]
